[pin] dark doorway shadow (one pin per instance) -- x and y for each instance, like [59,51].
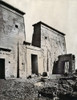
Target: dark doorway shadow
[55,67]
[2,68]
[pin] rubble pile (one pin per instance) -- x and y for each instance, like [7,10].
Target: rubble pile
[49,88]
[48,92]
[15,90]
[67,87]
[64,88]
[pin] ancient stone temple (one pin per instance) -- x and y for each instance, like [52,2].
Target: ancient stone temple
[18,58]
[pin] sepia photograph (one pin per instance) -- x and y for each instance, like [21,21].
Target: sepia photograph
[38,50]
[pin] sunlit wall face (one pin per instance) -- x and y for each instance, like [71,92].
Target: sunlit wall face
[60,14]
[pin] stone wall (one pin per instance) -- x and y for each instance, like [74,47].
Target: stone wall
[31,50]
[12,35]
[53,44]
[51,41]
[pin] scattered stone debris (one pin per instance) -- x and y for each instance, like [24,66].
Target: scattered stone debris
[68,87]
[48,92]
[33,88]
[65,88]
[16,90]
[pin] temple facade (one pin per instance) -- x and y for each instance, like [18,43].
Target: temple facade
[18,58]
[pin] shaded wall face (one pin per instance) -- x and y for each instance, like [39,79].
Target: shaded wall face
[11,32]
[36,39]
[52,43]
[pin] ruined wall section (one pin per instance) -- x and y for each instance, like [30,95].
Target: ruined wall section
[53,44]
[12,37]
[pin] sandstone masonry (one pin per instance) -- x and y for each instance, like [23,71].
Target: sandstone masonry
[18,58]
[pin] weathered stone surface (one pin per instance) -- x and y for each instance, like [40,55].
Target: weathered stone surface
[21,58]
[29,51]
[11,37]
[51,41]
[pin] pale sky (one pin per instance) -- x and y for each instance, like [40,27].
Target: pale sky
[59,14]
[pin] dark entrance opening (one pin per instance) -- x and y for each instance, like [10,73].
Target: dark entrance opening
[2,68]
[34,64]
[62,67]
[54,71]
